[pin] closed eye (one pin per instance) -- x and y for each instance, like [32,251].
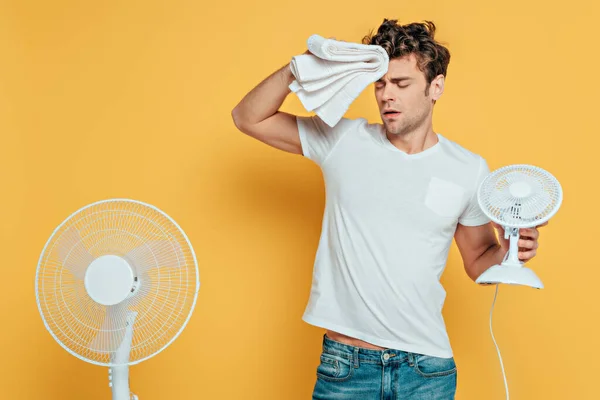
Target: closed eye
[379,85]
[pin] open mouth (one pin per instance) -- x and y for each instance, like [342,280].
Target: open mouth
[390,114]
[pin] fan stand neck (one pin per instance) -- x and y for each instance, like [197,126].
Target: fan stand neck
[512,259]
[119,375]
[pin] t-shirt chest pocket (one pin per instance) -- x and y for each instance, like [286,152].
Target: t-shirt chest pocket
[444,198]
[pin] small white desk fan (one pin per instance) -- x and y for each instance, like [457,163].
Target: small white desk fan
[517,196]
[116,284]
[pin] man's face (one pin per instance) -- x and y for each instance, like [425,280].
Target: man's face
[404,103]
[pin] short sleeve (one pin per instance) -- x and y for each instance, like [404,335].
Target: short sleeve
[473,215]
[318,139]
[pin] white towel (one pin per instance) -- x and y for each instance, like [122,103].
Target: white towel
[332,77]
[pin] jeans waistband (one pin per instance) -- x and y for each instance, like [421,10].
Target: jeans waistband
[355,353]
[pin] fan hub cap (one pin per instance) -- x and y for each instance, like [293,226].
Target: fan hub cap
[520,189]
[109,280]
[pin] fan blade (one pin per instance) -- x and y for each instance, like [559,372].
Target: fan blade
[156,253]
[73,254]
[111,333]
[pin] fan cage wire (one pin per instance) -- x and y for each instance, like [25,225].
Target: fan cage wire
[56,286]
[510,213]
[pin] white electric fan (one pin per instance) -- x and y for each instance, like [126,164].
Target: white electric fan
[517,196]
[116,284]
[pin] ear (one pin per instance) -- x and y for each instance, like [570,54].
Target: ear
[436,89]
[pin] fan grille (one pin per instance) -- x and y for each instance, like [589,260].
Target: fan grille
[520,196]
[165,287]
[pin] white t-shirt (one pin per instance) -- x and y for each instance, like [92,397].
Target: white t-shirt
[388,224]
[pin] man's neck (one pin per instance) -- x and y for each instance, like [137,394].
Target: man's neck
[415,141]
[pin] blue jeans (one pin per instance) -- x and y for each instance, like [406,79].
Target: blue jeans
[355,373]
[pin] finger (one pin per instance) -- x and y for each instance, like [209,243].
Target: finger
[528,244]
[527,255]
[544,224]
[532,233]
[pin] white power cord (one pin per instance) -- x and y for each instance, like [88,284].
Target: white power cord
[499,355]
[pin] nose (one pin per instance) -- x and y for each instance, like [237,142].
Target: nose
[388,93]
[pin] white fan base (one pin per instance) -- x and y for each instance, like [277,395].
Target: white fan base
[510,275]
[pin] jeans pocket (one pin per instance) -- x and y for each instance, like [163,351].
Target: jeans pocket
[334,368]
[430,367]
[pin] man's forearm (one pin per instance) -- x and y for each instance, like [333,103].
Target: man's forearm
[492,256]
[265,99]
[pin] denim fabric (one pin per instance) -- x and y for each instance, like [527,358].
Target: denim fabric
[355,373]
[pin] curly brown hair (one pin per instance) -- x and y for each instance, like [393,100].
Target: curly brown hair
[414,38]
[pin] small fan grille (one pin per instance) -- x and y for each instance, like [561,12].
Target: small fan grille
[520,196]
[163,294]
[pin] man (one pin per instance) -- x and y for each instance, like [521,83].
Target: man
[397,194]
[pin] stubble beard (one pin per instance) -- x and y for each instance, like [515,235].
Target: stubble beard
[406,126]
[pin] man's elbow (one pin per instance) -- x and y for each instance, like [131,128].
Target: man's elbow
[237,118]
[471,272]
[473,269]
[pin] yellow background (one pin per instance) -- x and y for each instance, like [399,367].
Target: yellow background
[133,99]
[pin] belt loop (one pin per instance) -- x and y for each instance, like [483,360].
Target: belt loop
[411,359]
[356,357]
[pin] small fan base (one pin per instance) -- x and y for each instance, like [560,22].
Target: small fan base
[510,275]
